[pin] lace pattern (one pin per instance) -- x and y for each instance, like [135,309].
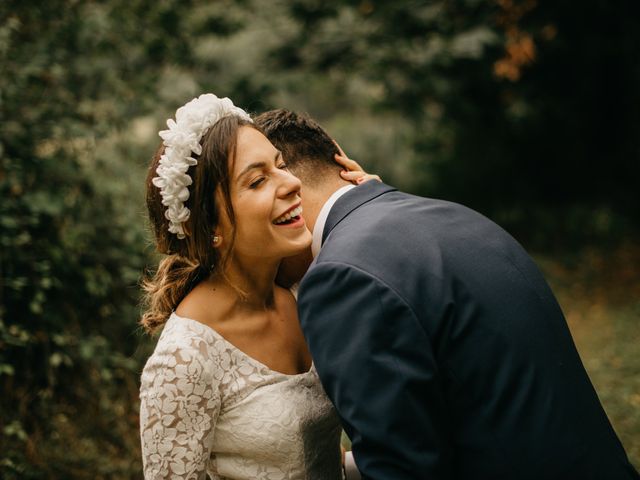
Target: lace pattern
[209,409]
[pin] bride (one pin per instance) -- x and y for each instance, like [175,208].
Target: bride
[230,390]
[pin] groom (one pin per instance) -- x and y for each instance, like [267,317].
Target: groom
[436,336]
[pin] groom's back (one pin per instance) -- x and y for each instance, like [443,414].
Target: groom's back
[517,402]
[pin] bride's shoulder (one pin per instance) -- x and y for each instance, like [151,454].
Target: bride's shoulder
[184,337]
[206,304]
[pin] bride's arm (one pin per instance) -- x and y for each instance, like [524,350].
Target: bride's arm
[179,406]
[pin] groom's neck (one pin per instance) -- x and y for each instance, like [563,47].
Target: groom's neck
[314,197]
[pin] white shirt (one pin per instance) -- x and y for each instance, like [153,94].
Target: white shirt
[318,228]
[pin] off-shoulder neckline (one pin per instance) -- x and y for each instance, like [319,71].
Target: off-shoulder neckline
[248,357]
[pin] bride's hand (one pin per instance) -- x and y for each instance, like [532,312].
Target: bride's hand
[354,172]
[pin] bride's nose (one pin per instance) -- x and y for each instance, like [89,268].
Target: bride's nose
[290,184]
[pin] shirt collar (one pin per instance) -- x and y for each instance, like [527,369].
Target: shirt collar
[322,218]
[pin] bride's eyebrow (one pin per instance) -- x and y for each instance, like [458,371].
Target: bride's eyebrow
[256,165]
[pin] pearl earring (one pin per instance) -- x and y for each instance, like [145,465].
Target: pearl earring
[217,239]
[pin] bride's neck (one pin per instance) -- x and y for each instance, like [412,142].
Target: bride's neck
[253,282]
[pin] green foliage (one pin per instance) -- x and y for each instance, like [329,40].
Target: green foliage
[526,111]
[72,246]
[513,105]
[68,265]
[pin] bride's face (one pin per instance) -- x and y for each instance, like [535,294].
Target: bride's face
[264,196]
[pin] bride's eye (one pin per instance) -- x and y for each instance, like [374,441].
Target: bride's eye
[256,183]
[283,166]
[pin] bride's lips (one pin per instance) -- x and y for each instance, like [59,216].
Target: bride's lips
[299,222]
[294,221]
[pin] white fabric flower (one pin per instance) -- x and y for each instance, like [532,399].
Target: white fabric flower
[181,140]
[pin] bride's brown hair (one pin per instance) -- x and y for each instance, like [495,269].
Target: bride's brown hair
[193,258]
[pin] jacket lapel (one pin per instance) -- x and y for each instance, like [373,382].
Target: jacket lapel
[352,200]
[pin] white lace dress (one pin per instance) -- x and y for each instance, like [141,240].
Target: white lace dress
[208,408]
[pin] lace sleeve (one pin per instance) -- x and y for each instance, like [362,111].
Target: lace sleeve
[179,405]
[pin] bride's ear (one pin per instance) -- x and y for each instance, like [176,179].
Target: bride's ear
[216,240]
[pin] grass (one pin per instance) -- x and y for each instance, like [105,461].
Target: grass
[599,292]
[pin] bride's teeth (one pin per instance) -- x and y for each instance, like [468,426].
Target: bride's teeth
[288,216]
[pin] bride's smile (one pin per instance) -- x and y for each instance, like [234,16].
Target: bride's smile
[290,217]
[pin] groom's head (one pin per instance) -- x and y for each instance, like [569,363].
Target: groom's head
[309,153]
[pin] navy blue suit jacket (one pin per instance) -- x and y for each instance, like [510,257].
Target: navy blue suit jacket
[444,350]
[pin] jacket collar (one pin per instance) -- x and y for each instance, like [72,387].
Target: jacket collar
[351,200]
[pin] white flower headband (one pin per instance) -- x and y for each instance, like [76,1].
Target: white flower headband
[180,141]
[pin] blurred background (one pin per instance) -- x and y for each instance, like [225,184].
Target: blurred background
[525,110]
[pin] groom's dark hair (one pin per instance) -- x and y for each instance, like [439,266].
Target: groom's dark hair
[306,148]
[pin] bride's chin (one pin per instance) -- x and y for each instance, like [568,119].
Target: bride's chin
[299,250]
[299,247]
[306,243]
[303,240]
